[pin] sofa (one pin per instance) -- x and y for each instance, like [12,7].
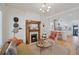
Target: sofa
[15,46]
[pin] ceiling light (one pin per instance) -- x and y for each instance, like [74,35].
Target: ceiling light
[43,5]
[40,9]
[49,7]
[45,8]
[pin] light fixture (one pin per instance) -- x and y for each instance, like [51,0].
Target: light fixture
[45,8]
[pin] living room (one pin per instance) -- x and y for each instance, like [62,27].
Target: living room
[49,18]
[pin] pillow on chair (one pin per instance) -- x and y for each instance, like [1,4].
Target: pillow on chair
[53,35]
[15,40]
[19,42]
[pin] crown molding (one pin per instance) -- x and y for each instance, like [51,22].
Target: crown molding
[63,12]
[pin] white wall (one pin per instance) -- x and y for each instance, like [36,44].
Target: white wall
[3,22]
[0,28]
[22,15]
[69,17]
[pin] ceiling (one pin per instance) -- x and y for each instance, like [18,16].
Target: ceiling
[55,7]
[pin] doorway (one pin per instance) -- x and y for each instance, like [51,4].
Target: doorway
[75,30]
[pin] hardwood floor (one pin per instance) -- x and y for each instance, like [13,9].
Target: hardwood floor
[54,50]
[61,47]
[68,44]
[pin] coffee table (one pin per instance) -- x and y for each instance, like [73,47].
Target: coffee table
[44,46]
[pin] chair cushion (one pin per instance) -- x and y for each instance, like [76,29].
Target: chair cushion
[19,42]
[53,35]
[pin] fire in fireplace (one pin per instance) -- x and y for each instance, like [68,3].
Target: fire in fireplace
[33,38]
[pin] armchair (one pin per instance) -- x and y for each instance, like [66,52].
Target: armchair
[52,37]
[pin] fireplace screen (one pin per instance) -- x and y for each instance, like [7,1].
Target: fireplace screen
[33,38]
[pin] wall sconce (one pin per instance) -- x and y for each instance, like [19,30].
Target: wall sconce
[16,25]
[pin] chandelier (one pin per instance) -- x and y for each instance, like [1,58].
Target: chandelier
[45,8]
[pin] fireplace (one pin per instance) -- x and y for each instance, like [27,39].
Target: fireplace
[32,31]
[33,38]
